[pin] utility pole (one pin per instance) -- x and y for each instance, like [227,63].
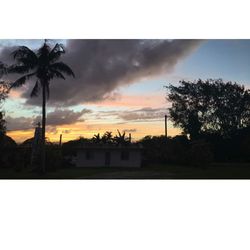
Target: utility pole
[60,142]
[166,126]
[129,137]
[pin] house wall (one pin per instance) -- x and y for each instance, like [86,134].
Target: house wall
[98,161]
[115,158]
[133,161]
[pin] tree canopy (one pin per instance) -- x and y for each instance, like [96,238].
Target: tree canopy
[211,106]
[43,64]
[4,90]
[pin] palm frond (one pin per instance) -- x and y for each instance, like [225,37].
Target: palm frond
[3,69]
[25,56]
[35,90]
[55,73]
[44,50]
[22,51]
[56,52]
[119,133]
[21,81]
[19,69]
[60,66]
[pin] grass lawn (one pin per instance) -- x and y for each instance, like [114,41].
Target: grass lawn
[215,171]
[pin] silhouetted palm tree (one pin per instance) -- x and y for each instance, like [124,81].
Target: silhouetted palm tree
[44,66]
[107,137]
[121,139]
[97,138]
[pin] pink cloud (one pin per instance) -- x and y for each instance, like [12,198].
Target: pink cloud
[15,94]
[142,100]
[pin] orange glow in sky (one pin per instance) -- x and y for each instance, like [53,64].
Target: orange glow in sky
[71,132]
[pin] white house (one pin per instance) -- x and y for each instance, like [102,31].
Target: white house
[108,156]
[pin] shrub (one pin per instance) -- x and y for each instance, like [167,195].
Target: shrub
[199,153]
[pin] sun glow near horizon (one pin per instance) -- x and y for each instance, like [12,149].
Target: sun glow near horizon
[138,131]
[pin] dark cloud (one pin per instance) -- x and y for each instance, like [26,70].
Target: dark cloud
[101,66]
[19,123]
[52,130]
[6,56]
[65,116]
[129,130]
[66,131]
[143,114]
[54,118]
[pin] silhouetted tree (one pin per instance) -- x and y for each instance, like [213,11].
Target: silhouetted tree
[7,144]
[97,138]
[2,125]
[210,106]
[199,153]
[44,66]
[159,149]
[121,139]
[107,137]
[4,90]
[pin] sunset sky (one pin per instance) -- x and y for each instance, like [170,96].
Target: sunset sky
[119,84]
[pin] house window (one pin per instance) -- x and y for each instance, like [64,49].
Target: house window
[89,155]
[125,155]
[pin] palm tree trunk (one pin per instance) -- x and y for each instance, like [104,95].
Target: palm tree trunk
[43,127]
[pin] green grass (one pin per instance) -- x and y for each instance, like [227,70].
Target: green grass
[215,171]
